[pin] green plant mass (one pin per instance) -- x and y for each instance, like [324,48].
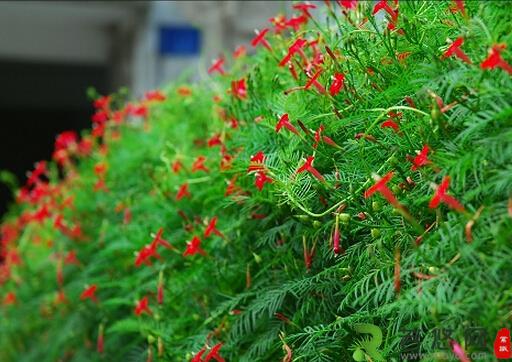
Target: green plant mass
[345,186]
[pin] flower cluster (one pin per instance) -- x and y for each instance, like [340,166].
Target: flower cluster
[262,184]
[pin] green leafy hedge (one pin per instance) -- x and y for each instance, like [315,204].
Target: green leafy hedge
[272,242]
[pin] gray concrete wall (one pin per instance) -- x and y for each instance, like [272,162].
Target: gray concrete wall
[123,35]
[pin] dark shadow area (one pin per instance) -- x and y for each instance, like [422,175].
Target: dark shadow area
[38,101]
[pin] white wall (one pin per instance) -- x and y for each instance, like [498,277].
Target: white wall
[124,34]
[56,31]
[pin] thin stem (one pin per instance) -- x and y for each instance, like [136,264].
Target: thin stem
[385,111]
[335,206]
[198,180]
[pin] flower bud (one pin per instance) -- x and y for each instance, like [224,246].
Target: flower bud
[344,218]
[257,258]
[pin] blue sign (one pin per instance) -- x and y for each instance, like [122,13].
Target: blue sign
[179,40]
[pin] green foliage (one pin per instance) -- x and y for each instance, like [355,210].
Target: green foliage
[252,290]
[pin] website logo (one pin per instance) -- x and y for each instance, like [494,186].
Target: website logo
[368,346]
[502,344]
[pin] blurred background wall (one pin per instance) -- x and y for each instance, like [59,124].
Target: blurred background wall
[51,51]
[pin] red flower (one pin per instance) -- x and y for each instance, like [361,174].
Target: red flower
[9,299]
[194,247]
[279,22]
[182,192]
[85,146]
[155,95]
[494,60]
[90,293]
[214,354]
[458,6]
[337,84]
[12,257]
[214,140]
[68,202]
[102,102]
[144,255]
[260,38]
[61,157]
[177,166]
[284,121]
[137,110]
[199,165]
[40,190]
[157,240]
[100,117]
[296,47]
[65,140]
[381,187]
[239,89]
[76,232]
[211,228]
[455,50]
[441,196]
[143,306]
[383,5]
[348,4]
[308,166]
[150,250]
[304,8]
[403,56]
[41,214]
[9,233]
[39,170]
[118,117]
[390,124]
[98,130]
[100,185]
[256,162]
[239,52]
[319,137]
[60,298]
[5,273]
[296,22]
[421,159]
[184,91]
[233,122]
[226,162]
[100,169]
[217,66]
[262,179]
[232,187]
[198,357]
[71,258]
[313,81]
